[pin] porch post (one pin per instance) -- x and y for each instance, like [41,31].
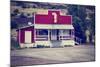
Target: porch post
[60,34]
[72,34]
[62,37]
[48,35]
[35,36]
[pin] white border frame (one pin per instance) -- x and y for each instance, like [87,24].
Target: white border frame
[5,33]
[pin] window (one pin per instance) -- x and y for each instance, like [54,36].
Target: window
[42,32]
[66,32]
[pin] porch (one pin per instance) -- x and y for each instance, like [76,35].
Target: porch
[44,36]
[53,34]
[54,37]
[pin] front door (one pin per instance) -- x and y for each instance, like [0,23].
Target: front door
[54,37]
[28,36]
[54,34]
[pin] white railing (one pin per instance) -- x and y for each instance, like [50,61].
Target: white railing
[53,37]
[41,37]
[65,37]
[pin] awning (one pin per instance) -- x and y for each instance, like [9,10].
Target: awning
[50,26]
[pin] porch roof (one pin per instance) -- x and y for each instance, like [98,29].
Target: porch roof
[44,26]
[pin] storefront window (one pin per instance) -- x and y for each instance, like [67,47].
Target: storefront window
[42,32]
[65,34]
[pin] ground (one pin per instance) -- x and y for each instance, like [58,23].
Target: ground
[34,56]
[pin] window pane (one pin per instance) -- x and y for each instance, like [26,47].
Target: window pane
[65,32]
[42,32]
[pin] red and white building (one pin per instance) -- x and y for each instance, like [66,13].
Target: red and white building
[50,28]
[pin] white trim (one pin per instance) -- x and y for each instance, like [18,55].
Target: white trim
[41,35]
[50,26]
[40,38]
[25,27]
[34,34]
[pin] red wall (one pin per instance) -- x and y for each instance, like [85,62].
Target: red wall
[49,19]
[22,34]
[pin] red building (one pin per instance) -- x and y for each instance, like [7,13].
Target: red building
[50,28]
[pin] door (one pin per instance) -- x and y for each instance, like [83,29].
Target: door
[55,38]
[28,36]
[54,34]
